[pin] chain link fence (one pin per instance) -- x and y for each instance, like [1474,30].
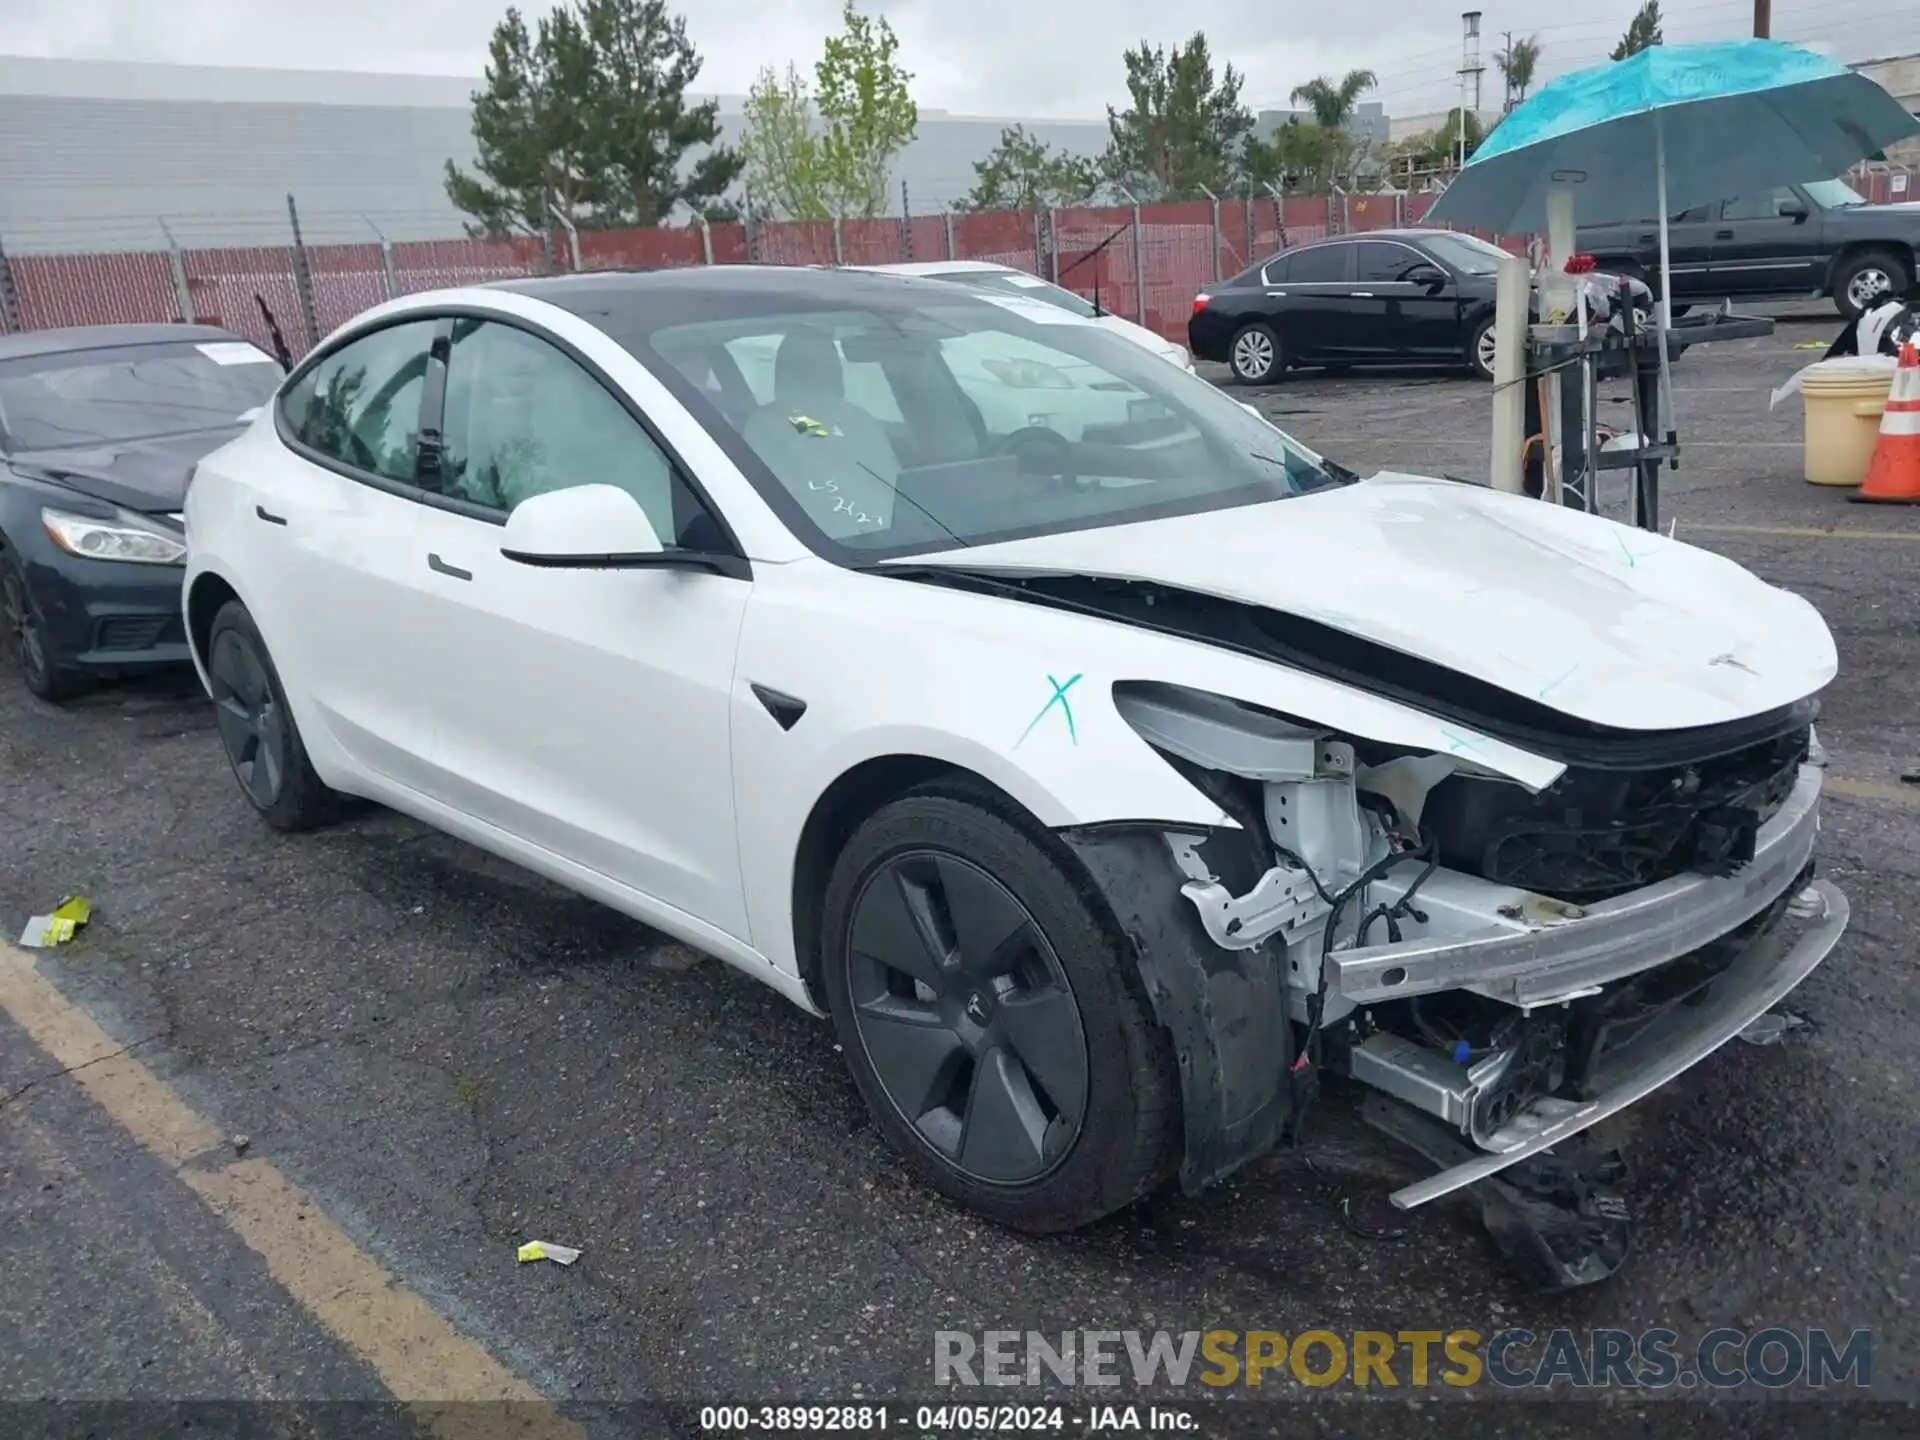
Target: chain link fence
[1144,263]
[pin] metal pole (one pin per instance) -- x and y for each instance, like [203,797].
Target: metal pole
[386,259]
[906,224]
[183,297]
[1762,19]
[1279,218]
[1053,234]
[302,276]
[1214,200]
[1039,251]
[839,243]
[1139,269]
[952,253]
[1511,282]
[706,234]
[9,297]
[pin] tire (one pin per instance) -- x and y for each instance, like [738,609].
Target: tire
[257,728]
[1023,1075]
[1867,278]
[23,633]
[1480,349]
[1256,356]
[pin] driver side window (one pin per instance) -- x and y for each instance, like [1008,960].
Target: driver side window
[360,406]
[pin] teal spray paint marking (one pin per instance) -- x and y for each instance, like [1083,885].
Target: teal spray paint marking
[1555,683]
[1059,697]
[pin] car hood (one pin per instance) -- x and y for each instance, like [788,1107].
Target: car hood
[1610,625]
[146,475]
[1141,336]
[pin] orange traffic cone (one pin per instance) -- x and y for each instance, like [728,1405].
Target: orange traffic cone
[1894,476]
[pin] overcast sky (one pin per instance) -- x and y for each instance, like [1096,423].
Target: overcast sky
[984,57]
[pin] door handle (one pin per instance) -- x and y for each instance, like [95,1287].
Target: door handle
[269,516]
[441,567]
[1360,295]
[1723,234]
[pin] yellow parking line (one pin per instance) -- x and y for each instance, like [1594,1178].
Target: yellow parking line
[1908,795]
[417,1353]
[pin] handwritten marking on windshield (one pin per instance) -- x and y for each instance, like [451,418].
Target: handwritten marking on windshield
[1059,697]
[1555,683]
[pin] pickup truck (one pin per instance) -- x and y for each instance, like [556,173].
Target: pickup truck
[1817,239]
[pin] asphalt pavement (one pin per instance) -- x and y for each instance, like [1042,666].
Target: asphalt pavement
[452,1057]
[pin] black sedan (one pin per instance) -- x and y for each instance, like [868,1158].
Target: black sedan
[99,430]
[1385,297]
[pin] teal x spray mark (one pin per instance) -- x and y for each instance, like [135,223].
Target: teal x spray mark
[1059,697]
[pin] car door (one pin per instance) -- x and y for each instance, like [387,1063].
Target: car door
[1407,319]
[1689,250]
[1318,311]
[585,712]
[338,568]
[1767,244]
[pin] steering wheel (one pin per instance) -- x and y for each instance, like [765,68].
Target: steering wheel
[1042,454]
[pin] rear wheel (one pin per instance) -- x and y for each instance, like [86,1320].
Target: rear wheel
[989,1020]
[1868,279]
[1255,355]
[262,742]
[1480,349]
[24,633]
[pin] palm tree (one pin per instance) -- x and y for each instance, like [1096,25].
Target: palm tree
[1517,64]
[1332,104]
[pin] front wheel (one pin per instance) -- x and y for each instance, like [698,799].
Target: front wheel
[28,645]
[1255,356]
[257,729]
[989,1019]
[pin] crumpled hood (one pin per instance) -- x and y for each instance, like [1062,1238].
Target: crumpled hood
[144,475]
[1600,621]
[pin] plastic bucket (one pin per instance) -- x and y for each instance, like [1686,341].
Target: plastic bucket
[1844,399]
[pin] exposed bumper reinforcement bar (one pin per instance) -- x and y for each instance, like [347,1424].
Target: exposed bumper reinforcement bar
[1535,960]
[1680,1039]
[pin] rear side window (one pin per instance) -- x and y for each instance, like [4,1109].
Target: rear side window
[360,406]
[1321,264]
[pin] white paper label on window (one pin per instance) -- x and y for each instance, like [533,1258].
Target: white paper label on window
[234,352]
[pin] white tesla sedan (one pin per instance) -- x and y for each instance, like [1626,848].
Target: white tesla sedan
[1106,780]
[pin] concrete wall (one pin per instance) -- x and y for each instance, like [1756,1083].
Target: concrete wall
[102,155]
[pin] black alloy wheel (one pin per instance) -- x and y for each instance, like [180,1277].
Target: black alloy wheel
[966,1017]
[25,638]
[252,724]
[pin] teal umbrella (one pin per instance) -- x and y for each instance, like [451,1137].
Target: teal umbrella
[1672,127]
[1669,128]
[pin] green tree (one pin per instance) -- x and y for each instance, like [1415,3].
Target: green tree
[1298,158]
[1517,64]
[785,163]
[1023,172]
[1439,148]
[1183,128]
[866,110]
[1332,101]
[588,113]
[1642,31]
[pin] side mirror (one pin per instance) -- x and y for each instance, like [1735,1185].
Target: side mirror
[1431,276]
[587,527]
[1793,210]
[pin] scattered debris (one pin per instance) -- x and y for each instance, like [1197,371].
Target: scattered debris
[1768,1028]
[1910,777]
[240,1144]
[56,928]
[547,1250]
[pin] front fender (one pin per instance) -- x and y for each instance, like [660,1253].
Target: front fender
[1017,694]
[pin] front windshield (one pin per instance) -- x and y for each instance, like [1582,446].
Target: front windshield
[911,423]
[1833,194]
[1018,282]
[131,392]
[1468,254]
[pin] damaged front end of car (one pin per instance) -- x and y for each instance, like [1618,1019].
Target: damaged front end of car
[1500,968]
